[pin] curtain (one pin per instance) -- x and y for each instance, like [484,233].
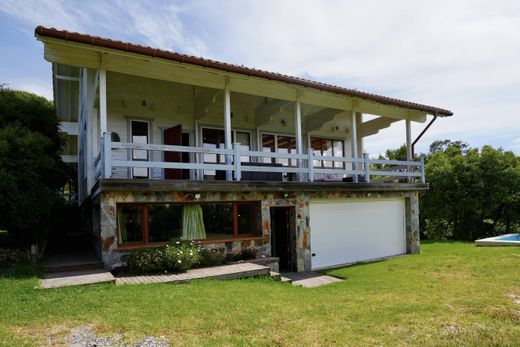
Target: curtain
[192,222]
[122,227]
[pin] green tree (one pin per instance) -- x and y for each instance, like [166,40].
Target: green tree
[473,193]
[31,169]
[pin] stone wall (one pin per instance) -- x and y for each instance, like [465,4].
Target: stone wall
[299,200]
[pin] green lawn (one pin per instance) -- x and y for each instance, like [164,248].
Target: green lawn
[450,294]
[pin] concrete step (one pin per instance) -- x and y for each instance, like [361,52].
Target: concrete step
[75,278]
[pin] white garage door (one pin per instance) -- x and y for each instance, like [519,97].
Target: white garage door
[355,230]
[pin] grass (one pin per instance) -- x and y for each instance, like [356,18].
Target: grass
[451,294]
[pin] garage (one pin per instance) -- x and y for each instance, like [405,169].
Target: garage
[354,230]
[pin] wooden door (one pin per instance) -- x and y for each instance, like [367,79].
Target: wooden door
[282,236]
[173,136]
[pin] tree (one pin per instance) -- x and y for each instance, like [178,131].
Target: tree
[31,169]
[473,193]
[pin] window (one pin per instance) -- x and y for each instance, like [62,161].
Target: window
[218,220]
[164,222]
[279,144]
[130,225]
[153,223]
[215,138]
[327,148]
[140,134]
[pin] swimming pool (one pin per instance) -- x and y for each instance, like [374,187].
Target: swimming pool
[501,240]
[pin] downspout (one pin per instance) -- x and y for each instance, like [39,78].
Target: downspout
[422,133]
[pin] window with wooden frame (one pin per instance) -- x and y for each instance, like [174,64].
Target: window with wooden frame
[141,224]
[279,144]
[215,138]
[327,148]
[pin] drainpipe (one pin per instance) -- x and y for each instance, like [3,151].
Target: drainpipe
[422,133]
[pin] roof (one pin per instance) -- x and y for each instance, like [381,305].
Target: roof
[232,68]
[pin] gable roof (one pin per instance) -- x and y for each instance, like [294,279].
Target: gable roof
[232,68]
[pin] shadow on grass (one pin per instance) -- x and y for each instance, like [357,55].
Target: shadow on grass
[21,272]
[332,271]
[445,242]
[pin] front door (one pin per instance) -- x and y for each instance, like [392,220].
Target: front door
[173,136]
[283,236]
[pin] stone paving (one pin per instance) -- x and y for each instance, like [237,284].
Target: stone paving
[309,279]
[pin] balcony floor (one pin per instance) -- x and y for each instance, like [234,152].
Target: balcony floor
[248,186]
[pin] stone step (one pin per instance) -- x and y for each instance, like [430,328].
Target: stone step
[75,278]
[278,277]
[80,266]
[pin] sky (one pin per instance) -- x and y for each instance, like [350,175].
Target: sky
[460,55]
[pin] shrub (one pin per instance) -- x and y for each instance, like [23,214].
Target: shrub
[438,229]
[209,258]
[146,260]
[176,257]
[180,256]
[12,257]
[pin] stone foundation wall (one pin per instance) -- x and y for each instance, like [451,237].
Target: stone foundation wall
[299,200]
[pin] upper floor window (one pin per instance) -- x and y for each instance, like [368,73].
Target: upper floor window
[279,144]
[140,133]
[327,148]
[215,138]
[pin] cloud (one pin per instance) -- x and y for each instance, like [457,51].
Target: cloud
[461,55]
[156,24]
[40,88]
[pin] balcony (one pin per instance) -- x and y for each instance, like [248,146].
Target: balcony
[341,169]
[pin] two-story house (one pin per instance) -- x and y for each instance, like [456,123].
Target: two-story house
[171,146]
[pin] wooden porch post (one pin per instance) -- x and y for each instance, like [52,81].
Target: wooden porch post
[298,130]
[227,126]
[354,144]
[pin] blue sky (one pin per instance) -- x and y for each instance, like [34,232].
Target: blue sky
[462,55]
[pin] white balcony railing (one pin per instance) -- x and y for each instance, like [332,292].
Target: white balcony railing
[364,169]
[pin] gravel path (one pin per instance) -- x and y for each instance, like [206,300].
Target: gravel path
[85,337]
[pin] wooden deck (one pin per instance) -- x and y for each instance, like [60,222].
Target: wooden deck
[76,278]
[226,272]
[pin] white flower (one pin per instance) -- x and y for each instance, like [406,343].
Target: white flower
[177,242]
[179,261]
[181,252]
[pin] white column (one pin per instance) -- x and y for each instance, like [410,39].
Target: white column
[408,140]
[89,136]
[102,101]
[227,126]
[354,144]
[409,146]
[298,131]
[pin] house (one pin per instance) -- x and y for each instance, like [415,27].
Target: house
[172,146]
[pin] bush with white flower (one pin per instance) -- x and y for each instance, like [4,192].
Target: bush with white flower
[176,256]
[180,255]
